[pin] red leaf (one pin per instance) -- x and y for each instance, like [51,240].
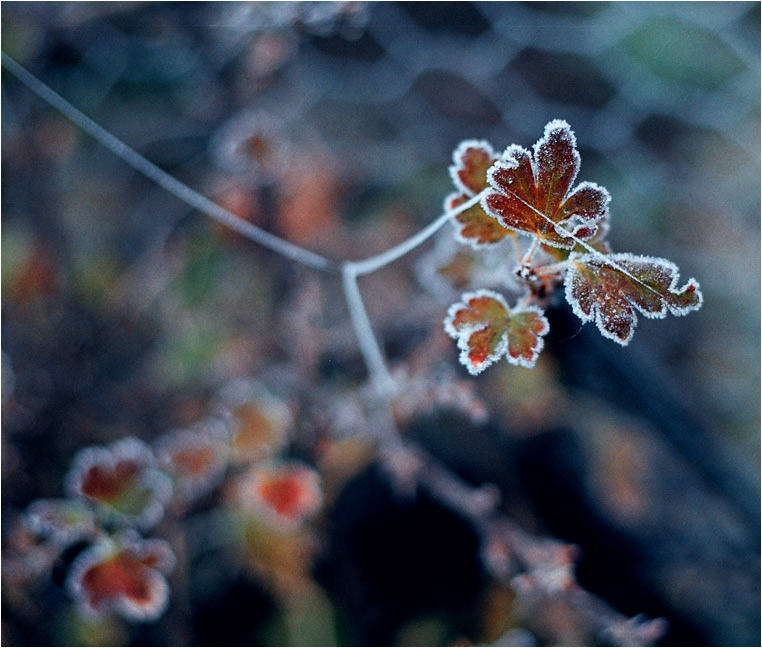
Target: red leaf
[285,493]
[611,293]
[122,482]
[486,329]
[476,228]
[532,191]
[123,574]
[471,160]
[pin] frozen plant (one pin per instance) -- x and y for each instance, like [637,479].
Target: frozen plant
[558,229]
[520,225]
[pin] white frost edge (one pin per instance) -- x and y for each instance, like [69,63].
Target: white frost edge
[464,333]
[537,348]
[106,548]
[551,127]
[129,448]
[636,258]
[457,156]
[508,161]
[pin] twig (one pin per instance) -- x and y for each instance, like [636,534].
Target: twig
[377,262]
[166,181]
[380,377]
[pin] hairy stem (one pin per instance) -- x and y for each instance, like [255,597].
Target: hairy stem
[166,181]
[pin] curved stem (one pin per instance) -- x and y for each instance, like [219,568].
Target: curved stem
[166,181]
[377,262]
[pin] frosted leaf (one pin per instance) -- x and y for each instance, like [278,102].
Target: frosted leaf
[532,191]
[486,329]
[257,420]
[611,293]
[122,483]
[436,388]
[283,493]
[471,160]
[195,458]
[124,574]
[253,144]
[474,227]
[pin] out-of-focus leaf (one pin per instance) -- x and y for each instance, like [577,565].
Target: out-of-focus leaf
[125,574]
[122,483]
[683,52]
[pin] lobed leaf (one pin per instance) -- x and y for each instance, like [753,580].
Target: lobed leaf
[611,293]
[486,329]
[532,191]
[124,574]
[471,160]
[284,493]
[196,459]
[122,483]
[258,422]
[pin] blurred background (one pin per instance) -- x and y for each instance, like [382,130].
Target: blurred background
[332,124]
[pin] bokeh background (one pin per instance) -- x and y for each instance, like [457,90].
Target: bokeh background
[332,125]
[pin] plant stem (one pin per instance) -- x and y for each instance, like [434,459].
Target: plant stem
[380,377]
[166,181]
[377,262]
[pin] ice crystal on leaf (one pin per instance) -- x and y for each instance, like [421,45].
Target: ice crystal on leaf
[611,289]
[122,483]
[486,328]
[469,174]
[532,191]
[124,574]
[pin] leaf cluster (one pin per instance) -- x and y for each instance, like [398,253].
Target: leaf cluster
[558,230]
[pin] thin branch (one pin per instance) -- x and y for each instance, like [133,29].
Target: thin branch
[377,262]
[380,377]
[166,181]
